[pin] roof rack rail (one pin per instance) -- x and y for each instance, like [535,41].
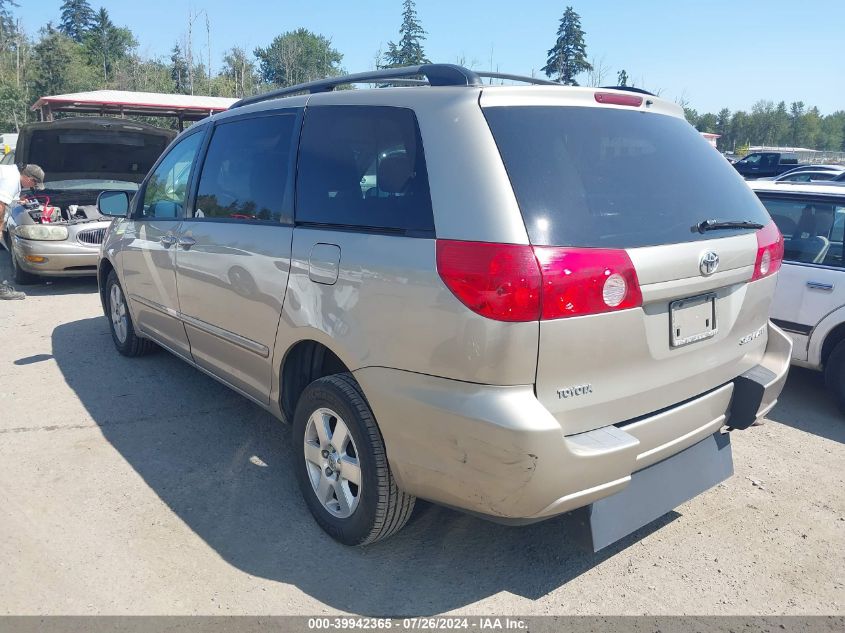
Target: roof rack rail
[435,75]
[629,89]
[529,80]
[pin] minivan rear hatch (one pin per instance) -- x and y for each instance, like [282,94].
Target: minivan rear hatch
[622,198]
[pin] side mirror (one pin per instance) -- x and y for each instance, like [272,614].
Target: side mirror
[113,203]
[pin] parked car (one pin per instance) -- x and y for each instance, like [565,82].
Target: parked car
[800,168]
[809,302]
[516,313]
[765,164]
[807,176]
[57,232]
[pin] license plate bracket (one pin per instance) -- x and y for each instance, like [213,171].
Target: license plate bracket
[692,319]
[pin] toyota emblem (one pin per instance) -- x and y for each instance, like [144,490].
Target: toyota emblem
[709,263]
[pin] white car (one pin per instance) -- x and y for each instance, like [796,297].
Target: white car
[809,301]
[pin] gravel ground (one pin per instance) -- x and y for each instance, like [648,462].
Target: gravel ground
[140,486]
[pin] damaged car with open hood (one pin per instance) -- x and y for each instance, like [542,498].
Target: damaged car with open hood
[57,231]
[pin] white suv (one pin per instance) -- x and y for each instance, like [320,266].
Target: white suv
[810,298]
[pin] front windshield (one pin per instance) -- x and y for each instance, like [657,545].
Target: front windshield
[89,184]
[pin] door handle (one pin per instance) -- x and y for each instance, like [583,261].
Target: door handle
[186,242]
[167,240]
[817,285]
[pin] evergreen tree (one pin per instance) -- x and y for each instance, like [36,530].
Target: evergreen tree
[409,51]
[568,57]
[706,123]
[179,70]
[77,18]
[622,78]
[106,43]
[8,30]
[796,116]
[723,128]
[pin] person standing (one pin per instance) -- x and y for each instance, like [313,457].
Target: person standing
[11,182]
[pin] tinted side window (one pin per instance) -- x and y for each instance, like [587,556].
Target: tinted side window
[363,167]
[167,189]
[246,170]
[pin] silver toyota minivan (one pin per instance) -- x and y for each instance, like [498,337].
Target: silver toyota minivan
[519,301]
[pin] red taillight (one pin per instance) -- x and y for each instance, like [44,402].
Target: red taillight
[612,98]
[578,281]
[498,281]
[769,251]
[510,282]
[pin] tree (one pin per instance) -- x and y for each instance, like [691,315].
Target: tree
[238,68]
[568,57]
[723,128]
[796,116]
[409,51]
[60,65]
[706,123]
[741,128]
[832,129]
[106,43]
[298,56]
[597,72]
[7,23]
[622,78]
[179,69]
[77,19]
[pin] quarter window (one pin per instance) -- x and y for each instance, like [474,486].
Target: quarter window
[167,189]
[363,167]
[247,169]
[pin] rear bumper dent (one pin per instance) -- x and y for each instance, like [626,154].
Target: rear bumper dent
[497,452]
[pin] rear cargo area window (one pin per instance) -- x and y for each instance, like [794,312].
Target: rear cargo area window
[363,167]
[616,178]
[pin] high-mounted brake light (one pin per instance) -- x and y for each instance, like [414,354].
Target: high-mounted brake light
[612,98]
[769,251]
[510,282]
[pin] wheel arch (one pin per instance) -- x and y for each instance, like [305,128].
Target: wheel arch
[304,362]
[103,269]
[833,338]
[825,337]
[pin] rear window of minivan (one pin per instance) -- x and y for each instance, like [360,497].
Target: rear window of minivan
[613,178]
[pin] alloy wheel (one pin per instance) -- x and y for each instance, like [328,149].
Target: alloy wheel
[331,459]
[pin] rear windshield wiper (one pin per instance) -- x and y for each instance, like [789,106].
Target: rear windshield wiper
[715,225]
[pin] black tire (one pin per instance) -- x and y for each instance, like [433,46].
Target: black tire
[382,509]
[133,345]
[834,374]
[20,276]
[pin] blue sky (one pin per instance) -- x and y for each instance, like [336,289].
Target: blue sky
[713,53]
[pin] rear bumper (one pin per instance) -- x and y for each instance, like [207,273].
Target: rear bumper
[64,258]
[756,391]
[497,452]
